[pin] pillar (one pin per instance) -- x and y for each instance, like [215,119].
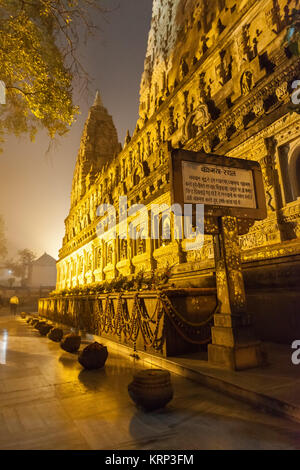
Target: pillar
[233,342]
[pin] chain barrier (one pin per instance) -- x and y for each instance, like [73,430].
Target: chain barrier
[112,317]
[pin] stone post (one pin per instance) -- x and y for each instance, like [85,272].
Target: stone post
[233,342]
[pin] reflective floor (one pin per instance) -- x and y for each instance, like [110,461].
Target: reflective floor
[48,402]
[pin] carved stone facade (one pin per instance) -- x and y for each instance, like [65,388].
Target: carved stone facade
[217,78]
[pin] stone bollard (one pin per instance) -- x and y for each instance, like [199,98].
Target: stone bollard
[93,356]
[44,329]
[151,389]
[56,334]
[71,343]
[39,324]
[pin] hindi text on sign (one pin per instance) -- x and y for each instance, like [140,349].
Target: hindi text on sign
[218,185]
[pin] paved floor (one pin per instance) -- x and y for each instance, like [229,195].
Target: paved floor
[48,402]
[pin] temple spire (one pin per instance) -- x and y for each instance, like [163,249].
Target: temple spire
[98,100]
[127,138]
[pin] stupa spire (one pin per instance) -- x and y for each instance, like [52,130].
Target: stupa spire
[98,100]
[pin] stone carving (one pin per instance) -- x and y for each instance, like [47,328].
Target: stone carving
[202,117]
[225,68]
[267,164]
[123,249]
[246,82]
[184,68]
[258,108]
[223,132]
[200,114]
[207,146]
[171,125]
[282,93]
[141,246]
[127,138]
[109,258]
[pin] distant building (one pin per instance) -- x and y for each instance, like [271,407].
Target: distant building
[43,272]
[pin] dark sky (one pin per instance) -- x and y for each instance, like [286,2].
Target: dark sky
[35,188]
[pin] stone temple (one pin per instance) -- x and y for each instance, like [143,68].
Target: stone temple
[218,78]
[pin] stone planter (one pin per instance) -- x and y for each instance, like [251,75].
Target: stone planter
[93,356]
[40,323]
[56,334]
[71,343]
[44,329]
[151,389]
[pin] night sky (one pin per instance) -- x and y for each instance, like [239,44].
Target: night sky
[35,187]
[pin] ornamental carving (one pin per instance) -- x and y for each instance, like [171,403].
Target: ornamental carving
[258,108]
[207,146]
[246,82]
[282,93]
[123,249]
[196,114]
[222,133]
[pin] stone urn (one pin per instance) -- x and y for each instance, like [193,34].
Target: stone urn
[93,356]
[56,334]
[151,389]
[44,329]
[40,323]
[71,343]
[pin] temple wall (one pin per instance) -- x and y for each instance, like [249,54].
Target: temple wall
[217,79]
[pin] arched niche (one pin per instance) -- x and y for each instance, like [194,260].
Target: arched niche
[294,172]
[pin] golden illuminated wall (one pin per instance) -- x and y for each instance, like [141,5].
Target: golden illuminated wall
[218,79]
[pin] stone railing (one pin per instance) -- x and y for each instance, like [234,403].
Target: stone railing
[167,323]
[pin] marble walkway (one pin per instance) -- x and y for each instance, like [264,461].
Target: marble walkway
[48,402]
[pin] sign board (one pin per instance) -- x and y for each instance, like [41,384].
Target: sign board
[226,186]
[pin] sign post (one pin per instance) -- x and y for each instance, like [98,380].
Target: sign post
[232,193]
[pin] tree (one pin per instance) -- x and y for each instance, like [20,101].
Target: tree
[3,248]
[11,281]
[38,55]
[21,267]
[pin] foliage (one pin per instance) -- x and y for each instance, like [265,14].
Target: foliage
[26,256]
[38,46]
[20,267]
